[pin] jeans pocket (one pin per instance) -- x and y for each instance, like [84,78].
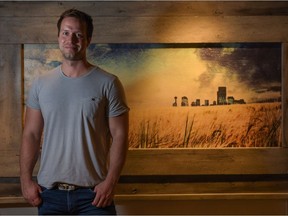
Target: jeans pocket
[86,194]
[91,190]
[43,189]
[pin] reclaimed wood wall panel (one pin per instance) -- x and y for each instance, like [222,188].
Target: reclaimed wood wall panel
[150,22]
[207,190]
[145,8]
[207,161]
[10,108]
[9,161]
[22,30]
[10,96]
[153,29]
[285,93]
[164,162]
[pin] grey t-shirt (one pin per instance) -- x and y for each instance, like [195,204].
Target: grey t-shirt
[76,132]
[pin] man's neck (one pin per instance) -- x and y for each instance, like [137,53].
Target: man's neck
[75,68]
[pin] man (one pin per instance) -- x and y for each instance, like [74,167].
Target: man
[84,114]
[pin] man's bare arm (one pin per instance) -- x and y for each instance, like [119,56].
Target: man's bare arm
[29,152]
[119,127]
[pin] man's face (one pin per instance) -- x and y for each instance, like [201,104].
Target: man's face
[73,39]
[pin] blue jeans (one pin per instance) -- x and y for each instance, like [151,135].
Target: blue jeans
[77,202]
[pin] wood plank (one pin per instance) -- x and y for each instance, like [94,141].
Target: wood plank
[189,207]
[21,202]
[28,30]
[10,108]
[203,188]
[207,161]
[13,201]
[9,162]
[185,187]
[154,29]
[10,97]
[186,162]
[267,187]
[11,193]
[145,8]
[203,207]
[207,196]
[285,93]
[10,190]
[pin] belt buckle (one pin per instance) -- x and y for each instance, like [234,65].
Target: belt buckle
[66,187]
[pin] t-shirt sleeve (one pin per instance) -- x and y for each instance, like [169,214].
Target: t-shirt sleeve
[117,103]
[33,96]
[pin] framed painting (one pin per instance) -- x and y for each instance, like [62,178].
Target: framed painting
[186,95]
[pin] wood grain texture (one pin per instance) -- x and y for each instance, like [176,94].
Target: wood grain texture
[207,161]
[285,94]
[10,97]
[150,22]
[264,187]
[9,162]
[192,29]
[145,8]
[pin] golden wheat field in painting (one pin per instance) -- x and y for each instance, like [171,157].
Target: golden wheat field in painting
[245,125]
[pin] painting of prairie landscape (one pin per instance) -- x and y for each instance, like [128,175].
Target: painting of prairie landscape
[188,95]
